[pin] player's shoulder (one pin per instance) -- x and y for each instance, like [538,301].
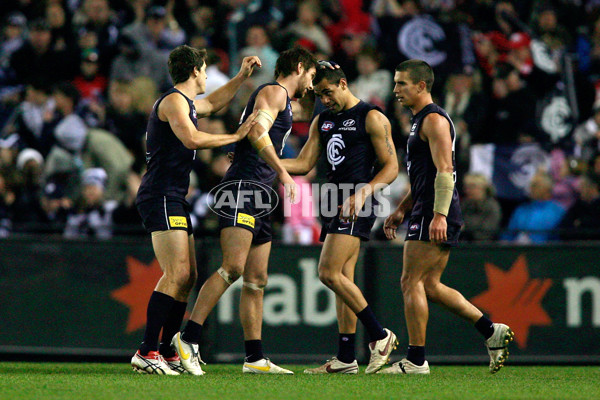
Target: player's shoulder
[434,121]
[274,91]
[376,116]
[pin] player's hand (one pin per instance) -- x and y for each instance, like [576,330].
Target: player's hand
[248,65]
[438,229]
[289,185]
[244,128]
[392,223]
[352,207]
[328,64]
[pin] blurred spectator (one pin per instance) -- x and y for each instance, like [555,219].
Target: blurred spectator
[373,85]
[564,190]
[92,215]
[27,119]
[307,26]
[346,56]
[215,75]
[480,209]
[582,220]
[36,59]
[90,82]
[511,115]
[63,38]
[26,210]
[134,61]
[55,203]
[158,32]
[467,106]
[95,19]
[12,38]
[258,44]
[536,221]
[587,135]
[126,218]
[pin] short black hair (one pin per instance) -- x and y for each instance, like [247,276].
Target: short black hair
[182,61]
[418,70]
[69,90]
[288,61]
[333,76]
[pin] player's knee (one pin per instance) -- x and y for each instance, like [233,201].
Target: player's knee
[407,283]
[180,278]
[255,285]
[328,278]
[230,272]
[431,290]
[258,279]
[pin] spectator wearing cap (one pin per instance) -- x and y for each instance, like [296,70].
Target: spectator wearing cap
[92,215]
[159,31]
[90,82]
[36,59]
[519,53]
[12,37]
[27,208]
[55,204]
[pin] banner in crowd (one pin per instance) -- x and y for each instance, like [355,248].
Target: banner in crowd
[509,167]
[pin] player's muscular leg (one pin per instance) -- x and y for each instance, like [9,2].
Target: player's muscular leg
[419,258]
[251,300]
[235,245]
[193,273]
[346,317]
[447,297]
[173,254]
[337,250]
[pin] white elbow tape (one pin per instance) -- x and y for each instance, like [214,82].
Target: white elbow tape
[263,141]
[254,286]
[444,189]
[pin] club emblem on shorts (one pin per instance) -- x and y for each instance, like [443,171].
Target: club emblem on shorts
[327,126]
[335,144]
[414,227]
[242,201]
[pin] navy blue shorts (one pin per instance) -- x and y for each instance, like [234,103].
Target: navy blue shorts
[360,228]
[418,229]
[165,213]
[245,212]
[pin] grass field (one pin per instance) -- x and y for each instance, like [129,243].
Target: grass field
[41,381]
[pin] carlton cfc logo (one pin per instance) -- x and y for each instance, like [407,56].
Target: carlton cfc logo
[327,125]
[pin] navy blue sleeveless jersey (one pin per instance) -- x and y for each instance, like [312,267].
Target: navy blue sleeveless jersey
[422,170]
[168,161]
[247,164]
[350,153]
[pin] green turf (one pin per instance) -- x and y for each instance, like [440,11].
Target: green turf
[41,381]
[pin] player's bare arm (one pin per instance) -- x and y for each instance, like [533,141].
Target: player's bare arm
[269,102]
[379,129]
[309,155]
[436,130]
[175,109]
[223,95]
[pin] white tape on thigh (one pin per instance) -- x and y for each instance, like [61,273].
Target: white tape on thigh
[225,275]
[254,286]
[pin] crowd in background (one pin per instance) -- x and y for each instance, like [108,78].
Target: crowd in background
[520,79]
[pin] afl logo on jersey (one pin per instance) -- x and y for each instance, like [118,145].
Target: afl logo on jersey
[194,114]
[327,125]
[335,144]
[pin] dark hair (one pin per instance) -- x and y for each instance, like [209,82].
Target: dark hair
[418,70]
[182,61]
[69,90]
[289,59]
[333,76]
